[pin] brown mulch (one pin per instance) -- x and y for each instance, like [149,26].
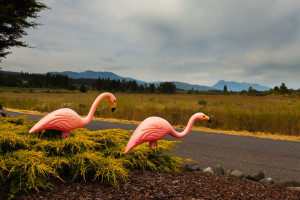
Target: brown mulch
[153,185]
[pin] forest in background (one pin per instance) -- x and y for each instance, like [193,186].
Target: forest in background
[58,81]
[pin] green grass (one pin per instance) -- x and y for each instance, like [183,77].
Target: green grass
[271,114]
[202,102]
[32,161]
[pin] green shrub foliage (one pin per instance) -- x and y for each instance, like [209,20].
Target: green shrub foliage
[33,161]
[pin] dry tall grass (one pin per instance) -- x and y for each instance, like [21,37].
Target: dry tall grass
[273,114]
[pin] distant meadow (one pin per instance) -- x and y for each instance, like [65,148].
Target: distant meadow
[271,114]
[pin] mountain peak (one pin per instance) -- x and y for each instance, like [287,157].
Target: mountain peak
[89,74]
[237,87]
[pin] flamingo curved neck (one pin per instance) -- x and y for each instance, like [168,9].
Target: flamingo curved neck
[90,116]
[187,128]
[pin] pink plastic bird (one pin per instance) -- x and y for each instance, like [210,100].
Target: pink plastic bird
[66,119]
[155,128]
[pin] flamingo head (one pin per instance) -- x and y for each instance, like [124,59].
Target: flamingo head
[112,100]
[202,116]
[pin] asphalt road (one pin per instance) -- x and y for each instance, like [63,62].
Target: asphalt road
[278,159]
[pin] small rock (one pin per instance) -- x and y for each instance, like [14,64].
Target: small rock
[218,170]
[193,167]
[228,172]
[208,170]
[267,181]
[256,177]
[237,174]
[3,113]
[294,188]
[287,183]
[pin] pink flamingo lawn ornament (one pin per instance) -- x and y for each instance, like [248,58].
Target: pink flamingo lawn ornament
[66,119]
[155,128]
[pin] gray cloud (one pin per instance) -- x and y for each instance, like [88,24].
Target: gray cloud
[199,42]
[107,59]
[117,68]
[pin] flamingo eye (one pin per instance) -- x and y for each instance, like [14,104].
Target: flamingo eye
[203,116]
[115,101]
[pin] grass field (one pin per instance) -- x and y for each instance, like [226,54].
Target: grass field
[271,114]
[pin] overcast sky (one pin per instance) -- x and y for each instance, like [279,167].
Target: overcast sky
[193,41]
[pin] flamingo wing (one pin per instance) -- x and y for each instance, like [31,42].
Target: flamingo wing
[63,122]
[152,133]
[62,119]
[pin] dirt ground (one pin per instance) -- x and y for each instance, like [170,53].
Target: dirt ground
[154,185]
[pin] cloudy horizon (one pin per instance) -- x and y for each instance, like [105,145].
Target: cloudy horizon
[193,41]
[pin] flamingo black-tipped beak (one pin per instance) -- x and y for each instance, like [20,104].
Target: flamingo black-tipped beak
[113,107]
[209,120]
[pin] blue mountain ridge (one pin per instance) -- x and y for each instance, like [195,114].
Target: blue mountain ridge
[95,75]
[237,87]
[231,85]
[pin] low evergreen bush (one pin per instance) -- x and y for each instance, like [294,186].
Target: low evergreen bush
[32,161]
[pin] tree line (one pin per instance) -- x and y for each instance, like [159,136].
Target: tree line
[277,90]
[32,80]
[132,86]
[282,89]
[122,85]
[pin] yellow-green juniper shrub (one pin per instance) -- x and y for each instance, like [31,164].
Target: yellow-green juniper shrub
[32,161]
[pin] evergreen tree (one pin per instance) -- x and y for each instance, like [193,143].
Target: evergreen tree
[276,88]
[283,89]
[133,86]
[13,22]
[225,88]
[82,88]
[167,87]
[250,90]
[152,88]
[71,87]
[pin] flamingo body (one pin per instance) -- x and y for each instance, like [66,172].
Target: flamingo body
[150,130]
[153,129]
[66,119]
